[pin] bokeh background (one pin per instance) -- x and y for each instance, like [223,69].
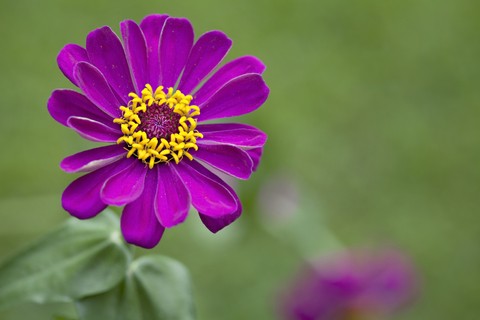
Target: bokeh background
[373,114]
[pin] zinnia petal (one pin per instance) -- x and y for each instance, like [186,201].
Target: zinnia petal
[93,159]
[208,196]
[106,52]
[237,134]
[95,86]
[65,103]
[173,200]
[125,186]
[229,71]
[139,223]
[68,57]
[93,130]
[241,95]
[136,51]
[82,197]
[152,27]
[218,223]
[207,53]
[255,154]
[175,45]
[227,158]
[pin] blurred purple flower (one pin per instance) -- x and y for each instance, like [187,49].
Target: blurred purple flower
[356,285]
[144,97]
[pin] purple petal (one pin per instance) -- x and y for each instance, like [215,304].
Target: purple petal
[106,52]
[175,45]
[126,186]
[237,134]
[68,57]
[255,154]
[93,130]
[93,159]
[65,103]
[95,86]
[227,158]
[229,71]
[392,280]
[136,51]
[173,200]
[208,196]
[206,54]
[241,95]
[82,197]
[152,26]
[217,224]
[139,223]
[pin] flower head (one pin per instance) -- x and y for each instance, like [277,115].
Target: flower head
[354,286]
[146,97]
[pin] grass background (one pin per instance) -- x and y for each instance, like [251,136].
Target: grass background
[374,112]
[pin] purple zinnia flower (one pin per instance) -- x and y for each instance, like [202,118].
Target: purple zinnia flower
[356,285]
[146,97]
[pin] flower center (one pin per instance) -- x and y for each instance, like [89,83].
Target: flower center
[158,127]
[159,121]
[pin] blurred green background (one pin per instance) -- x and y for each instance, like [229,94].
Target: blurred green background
[374,110]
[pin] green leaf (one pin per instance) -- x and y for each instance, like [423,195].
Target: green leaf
[156,288]
[80,258]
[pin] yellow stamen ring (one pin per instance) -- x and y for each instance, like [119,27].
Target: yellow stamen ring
[157,149]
